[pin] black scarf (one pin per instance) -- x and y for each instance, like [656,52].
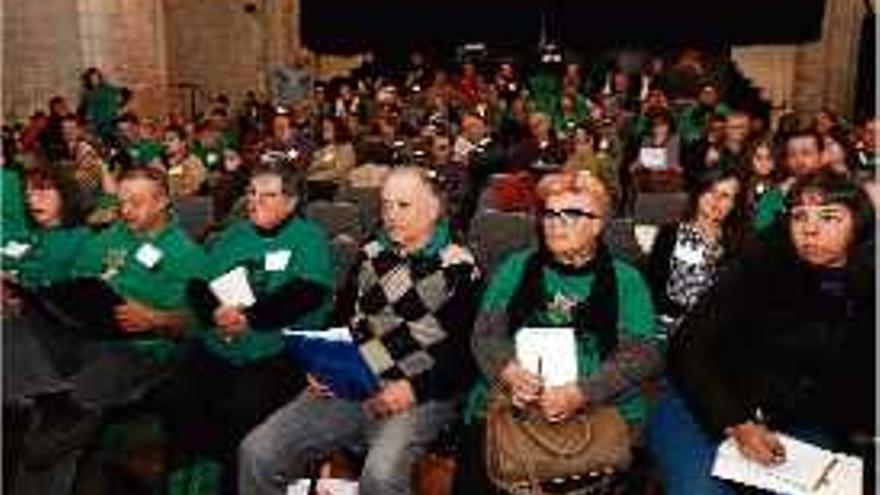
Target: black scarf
[598,314]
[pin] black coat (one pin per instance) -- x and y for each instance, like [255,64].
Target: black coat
[773,335]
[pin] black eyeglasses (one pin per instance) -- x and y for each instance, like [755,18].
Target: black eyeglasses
[567,215]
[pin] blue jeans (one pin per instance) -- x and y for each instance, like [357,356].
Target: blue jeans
[683,451]
[284,447]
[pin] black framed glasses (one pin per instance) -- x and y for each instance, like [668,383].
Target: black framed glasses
[568,216]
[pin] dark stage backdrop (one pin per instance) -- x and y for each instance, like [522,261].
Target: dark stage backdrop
[348,26]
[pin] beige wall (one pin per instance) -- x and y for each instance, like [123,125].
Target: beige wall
[154,46]
[214,45]
[125,38]
[47,44]
[813,75]
[41,55]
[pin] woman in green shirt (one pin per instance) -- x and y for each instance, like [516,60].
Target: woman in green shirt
[42,253]
[570,281]
[32,259]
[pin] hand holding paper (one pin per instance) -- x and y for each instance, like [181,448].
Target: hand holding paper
[232,289]
[230,321]
[549,352]
[806,470]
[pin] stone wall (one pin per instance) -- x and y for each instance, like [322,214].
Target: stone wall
[812,75]
[176,54]
[41,55]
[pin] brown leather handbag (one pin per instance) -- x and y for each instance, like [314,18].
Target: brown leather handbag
[524,450]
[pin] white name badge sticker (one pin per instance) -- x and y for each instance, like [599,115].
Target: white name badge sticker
[148,255]
[276,261]
[15,249]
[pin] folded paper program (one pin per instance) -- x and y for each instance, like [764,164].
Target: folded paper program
[232,288]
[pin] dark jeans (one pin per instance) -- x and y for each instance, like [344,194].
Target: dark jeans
[209,404]
[470,473]
[28,369]
[98,376]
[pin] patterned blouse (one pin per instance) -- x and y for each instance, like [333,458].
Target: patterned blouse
[692,266]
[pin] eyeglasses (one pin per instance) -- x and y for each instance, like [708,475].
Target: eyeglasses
[567,216]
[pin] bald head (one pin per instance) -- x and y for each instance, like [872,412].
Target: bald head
[411,207]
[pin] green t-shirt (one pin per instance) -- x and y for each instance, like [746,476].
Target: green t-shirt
[144,151]
[692,121]
[150,269]
[299,250]
[636,318]
[212,154]
[42,256]
[15,219]
[769,208]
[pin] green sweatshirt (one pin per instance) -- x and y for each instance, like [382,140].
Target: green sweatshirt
[299,250]
[150,269]
[769,208]
[144,151]
[636,318]
[42,256]
[15,220]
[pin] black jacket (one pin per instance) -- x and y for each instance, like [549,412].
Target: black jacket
[778,335]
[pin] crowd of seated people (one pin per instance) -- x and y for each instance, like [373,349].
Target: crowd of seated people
[758,297]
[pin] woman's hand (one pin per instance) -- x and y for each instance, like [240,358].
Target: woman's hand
[525,386]
[757,442]
[560,403]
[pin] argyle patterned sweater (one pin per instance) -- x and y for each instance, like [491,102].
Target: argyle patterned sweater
[411,315]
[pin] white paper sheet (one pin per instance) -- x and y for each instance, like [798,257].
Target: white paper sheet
[335,334]
[645,235]
[550,352]
[232,288]
[15,249]
[326,486]
[798,475]
[653,158]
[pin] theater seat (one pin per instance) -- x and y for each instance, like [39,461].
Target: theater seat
[337,218]
[659,208]
[494,235]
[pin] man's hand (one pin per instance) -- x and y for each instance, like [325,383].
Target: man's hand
[525,386]
[230,321]
[560,403]
[317,389]
[396,397]
[135,317]
[757,442]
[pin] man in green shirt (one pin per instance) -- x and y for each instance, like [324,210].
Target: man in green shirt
[234,374]
[803,155]
[147,260]
[142,151]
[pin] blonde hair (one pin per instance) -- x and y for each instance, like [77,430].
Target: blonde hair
[575,182]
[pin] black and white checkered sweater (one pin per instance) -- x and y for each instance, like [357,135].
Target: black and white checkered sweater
[412,316]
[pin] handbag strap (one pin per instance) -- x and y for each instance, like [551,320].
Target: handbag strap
[577,444]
